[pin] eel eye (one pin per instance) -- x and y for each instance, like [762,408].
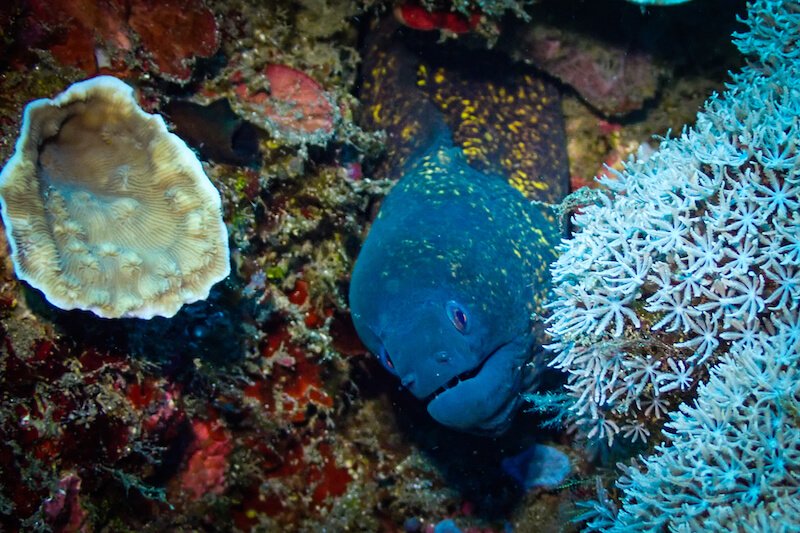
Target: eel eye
[458,316]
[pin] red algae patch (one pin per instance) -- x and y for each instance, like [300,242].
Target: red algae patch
[174,33]
[417,17]
[122,36]
[208,460]
[286,102]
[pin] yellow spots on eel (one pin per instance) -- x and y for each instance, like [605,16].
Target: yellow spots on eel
[517,184]
[540,236]
[504,123]
[408,131]
[472,151]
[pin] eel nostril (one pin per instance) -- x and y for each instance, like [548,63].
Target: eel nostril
[408,380]
[442,357]
[385,359]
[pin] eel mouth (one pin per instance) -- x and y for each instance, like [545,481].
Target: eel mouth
[464,376]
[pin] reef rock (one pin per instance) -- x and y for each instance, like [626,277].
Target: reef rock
[613,79]
[108,211]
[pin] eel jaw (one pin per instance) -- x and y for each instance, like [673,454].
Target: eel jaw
[464,376]
[484,399]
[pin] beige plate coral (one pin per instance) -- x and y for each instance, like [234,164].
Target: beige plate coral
[108,211]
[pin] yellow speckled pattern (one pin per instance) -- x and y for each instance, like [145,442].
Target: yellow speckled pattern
[514,128]
[495,239]
[452,233]
[392,102]
[507,122]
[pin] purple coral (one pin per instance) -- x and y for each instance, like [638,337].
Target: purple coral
[613,79]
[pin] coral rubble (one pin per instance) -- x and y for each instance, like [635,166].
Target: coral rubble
[75,422]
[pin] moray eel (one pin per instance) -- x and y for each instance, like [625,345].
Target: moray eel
[454,267]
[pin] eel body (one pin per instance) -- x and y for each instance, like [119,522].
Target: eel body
[446,285]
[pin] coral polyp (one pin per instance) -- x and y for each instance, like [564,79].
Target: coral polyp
[687,255]
[675,313]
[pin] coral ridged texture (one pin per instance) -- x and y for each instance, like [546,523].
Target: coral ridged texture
[106,210]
